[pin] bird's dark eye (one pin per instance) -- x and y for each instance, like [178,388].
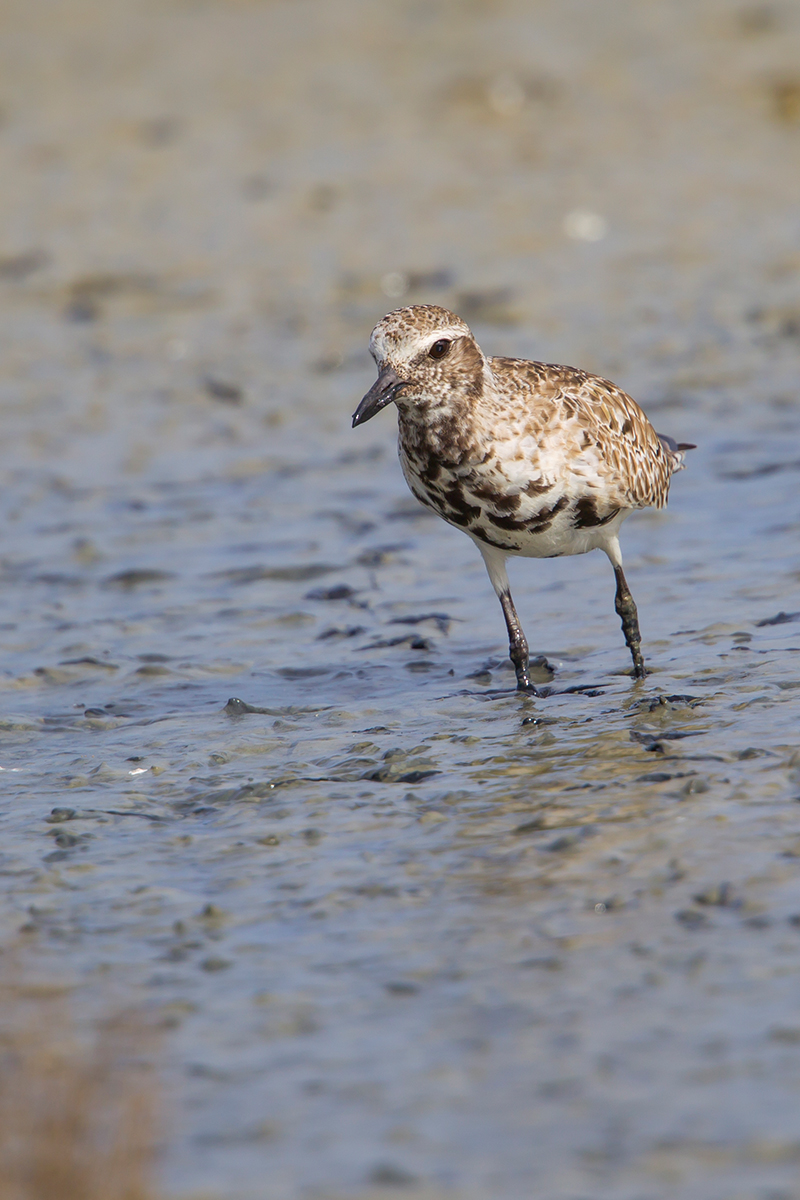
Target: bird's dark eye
[439,349]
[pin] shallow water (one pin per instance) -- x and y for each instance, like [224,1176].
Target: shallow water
[263,766]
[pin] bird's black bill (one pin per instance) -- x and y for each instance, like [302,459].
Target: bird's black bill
[382,392]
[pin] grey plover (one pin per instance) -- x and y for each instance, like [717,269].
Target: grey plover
[527,458]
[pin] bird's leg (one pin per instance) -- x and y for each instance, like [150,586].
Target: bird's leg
[626,611]
[517,645]
[495,560]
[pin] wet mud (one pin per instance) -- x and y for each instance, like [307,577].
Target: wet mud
[263,767]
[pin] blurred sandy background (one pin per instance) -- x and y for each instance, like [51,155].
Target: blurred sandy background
[198,186]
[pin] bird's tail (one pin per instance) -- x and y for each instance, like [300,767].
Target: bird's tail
[675,450]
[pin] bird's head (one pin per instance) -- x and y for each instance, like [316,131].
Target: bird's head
[424,354]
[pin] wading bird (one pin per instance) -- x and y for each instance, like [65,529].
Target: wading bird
[527,458]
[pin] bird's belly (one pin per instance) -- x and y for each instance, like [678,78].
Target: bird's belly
[559,538]
[560,521]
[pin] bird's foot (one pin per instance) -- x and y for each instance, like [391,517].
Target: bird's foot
[524,685]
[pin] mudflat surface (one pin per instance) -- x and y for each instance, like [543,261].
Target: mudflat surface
[415,935]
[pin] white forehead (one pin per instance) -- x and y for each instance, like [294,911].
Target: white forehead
[404,343]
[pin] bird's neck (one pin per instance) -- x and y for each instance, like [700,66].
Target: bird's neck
[451,423]
[447,426]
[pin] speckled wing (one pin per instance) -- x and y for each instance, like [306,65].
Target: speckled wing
[603,434]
